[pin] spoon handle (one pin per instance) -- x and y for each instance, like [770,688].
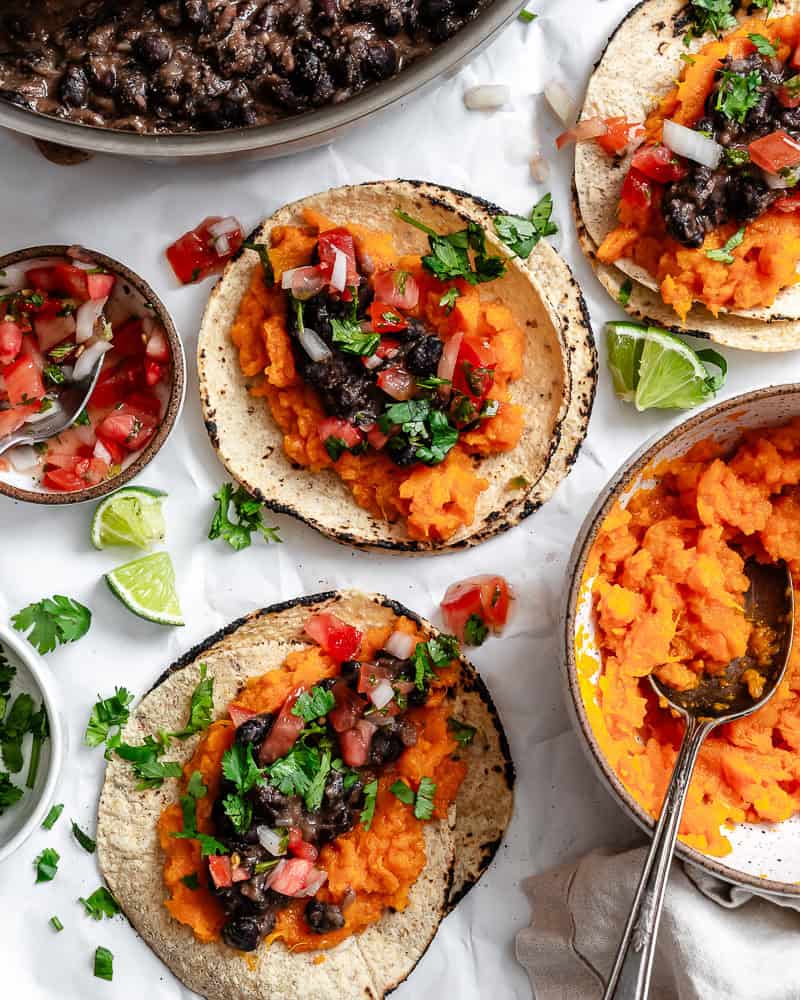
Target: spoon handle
[630,977]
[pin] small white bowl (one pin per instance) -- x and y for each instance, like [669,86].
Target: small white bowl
[33,675]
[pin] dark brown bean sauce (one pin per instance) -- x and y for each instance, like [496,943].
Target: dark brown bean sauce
[195,65]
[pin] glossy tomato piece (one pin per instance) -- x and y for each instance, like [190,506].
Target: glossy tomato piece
[193,257]
[490,597]
[637,190]
[219,866]
[300,848]
[12,420]
[10,341]
[63,480]
[460,603]
[146,402]
[153,372]
[117,382]
[659,164]
[127,427]
[619,135]
[387,348]
[338,639]
[356,742]
[396,382]
[385,318]
[331,241]
[284,732]
[296,878]
[370,675]
[23,381]
[239,715]
[348,708]
[100,286]
[51,330]
[129,339]
[341,430]
[376,438]
[775,152]
[115,450]
[63,279]
[398,289]
[474,371]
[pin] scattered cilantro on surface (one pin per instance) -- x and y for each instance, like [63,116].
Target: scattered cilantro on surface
[527,16]
[521,234]
[449,255]
[763,46]
[240,768]
[625,290]
[46,865]
[103,964]
[39,728]
[247,511]
[448,300]
[403,792]
[100,904]
[13,729]
[437,652]
[56,924]
[738,94]
[195,790]
[423,805]
[266,264]
[83,839]
[53,620]
[107,714]
[201,709]
[463,732]
[349,337]
[423,428]
[52,817]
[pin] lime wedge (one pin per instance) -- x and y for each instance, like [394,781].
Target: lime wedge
[131,516]
[146,587]
[625,342]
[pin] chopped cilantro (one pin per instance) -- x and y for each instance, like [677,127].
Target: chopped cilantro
[13,729]
[313,797]
[763,45]
[527,16]
[56,924]
[475,631]
[625,290]
[335,447]
[711,17]
[450,255]
[9,792]
[266,264]
[521,234]
[83,418]
[425,429]
[107,714]
[104,959]
[53,620]
[448,300]
[403,792]
[314,704]
[146,766]
[83,839]
[39,728]
[100,904]
[725,254]
[370,798]
[427,656]
[195,789]
[736,157]
[423,806]
[54,374]
[248,518]
[349,337]
[738,94]
[517,483]
[463,732]
[52,817]
[240,768]
[46,865]
[201,708]
[191,881]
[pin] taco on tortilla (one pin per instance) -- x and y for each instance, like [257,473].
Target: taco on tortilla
[344,781]
[687,160]
[380,365]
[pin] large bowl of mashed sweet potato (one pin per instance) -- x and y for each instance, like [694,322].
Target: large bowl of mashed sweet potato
[656,586]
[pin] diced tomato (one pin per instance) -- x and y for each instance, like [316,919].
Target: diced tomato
[385,318]
[331,241]
[788,97]
[64,481]
[397,382]
[299,848]
[775,152]
[370,674]
[64,279]
[659,164]
[10,341]
[193,257]
[158,346]
[118,382]
[51,330]
[145,401]
[12,420]
[239,715]
[284,732]
[96,472]
[349,707]
[355,743]
[636,189]
[297,878]
[398,289]
[240,874]
[153,372]
[23,381]
[340,641]
[387,347]
[219,865]
[474,372]
[115,450]
[30,350]
[129,338]
[376,438]
[487,596]
[620,134]
[99,286]
[343,430]
[788,203]
[130,428]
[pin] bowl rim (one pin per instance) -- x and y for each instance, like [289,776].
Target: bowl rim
[627,472]
[285,135]
[174,403]
[47,688]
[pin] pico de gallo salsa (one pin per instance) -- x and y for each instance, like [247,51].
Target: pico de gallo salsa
[59,317]
[475,607]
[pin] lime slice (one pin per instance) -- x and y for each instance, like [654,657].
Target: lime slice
[625,342]
[146,587]
[131,516]
[671,376]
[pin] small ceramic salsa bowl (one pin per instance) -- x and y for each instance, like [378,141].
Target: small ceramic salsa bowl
[57,297]
[765,858]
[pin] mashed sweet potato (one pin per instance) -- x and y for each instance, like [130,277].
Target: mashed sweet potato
[433,501]
[766,261]
[380,864]
[667,589]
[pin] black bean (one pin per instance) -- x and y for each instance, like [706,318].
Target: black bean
[424,356]
[132,92]
[351,671]
[381,59]
[153,49]
[254,731]
[445,28]
[196,12]
[386,747]
[433,11]
[323,917]
[73,91]
[244,932]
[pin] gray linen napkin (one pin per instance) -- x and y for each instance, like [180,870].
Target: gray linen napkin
[714,943]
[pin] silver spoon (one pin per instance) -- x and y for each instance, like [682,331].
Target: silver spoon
[72,399]
[719,699]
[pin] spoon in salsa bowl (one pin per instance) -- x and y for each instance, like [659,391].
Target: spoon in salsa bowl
[745,686]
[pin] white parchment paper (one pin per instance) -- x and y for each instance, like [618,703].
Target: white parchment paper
[132,211]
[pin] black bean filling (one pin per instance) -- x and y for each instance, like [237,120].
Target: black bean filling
[185,65]
[250,907]
[706,199]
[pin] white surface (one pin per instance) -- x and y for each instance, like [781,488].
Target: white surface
[132,211]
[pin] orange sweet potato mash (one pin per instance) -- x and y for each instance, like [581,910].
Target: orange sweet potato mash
[667,588]
[433,501]
[766,261]
[380,864]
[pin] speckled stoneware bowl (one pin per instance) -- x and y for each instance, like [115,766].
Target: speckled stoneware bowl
[765,857]
[142,301]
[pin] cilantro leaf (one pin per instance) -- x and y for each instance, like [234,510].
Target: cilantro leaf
[443,437]
[427,430]
[83,839]
[463,732]
[475,631]
[763,45]
[313,797]
[239,811]
[449,255]
[248,518]
[195,789]
[107,714]
[314,704]
[725,254]
[625,290]
[349,337]
[201,710]
[423,805]
[448,300]
[46,865]
[153,772]
[436,652]
[738,94]
[100,904]
[103,963]
[9,792]
[266,264]
[52,817]
[209,845]
[403,792]
[521,235]
[40,730]
[239,767]
[53,620]
[292,774]
[370,798]
[711,16]
[527,16]
[12,732]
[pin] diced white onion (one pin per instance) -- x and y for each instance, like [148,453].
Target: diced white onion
[286,277]
[373,362]
[693,145]
[561,102]
[271,840]
[23,458]
[87,360]
[222,246]
[400,644]
[540,168]
[86,317]
[84,433]
[487,97]
[447,362]
[381,694]
[51,411]
[84,265]
[101,452]
[339,272]
[303,282]
[777,182]
[315,883]
[314,346]
[225,227]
